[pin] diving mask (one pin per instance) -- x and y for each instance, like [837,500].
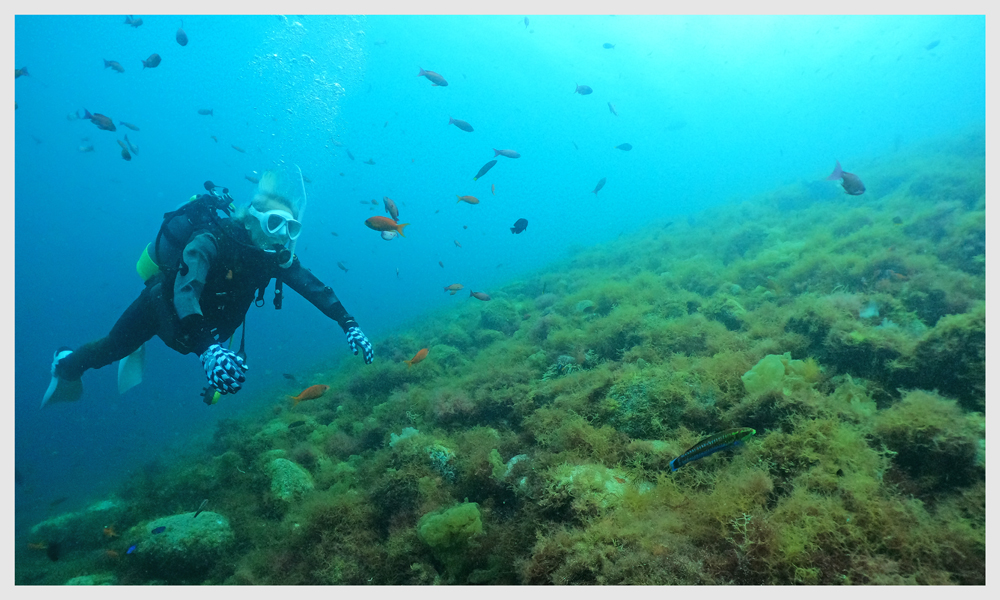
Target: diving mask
[277,223]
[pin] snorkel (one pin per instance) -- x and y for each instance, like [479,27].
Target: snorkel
[301,211]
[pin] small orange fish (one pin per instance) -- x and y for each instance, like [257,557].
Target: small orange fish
[619,479]
[493,188]
[457,244]
[310,393]
[453,287]
[37,546]
[109,531]
[469,199]
[384,224]
[419,356]
[111,554]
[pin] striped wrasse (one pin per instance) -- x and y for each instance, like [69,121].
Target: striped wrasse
[711,444]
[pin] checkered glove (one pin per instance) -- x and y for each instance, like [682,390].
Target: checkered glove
[224,368]
[356,338]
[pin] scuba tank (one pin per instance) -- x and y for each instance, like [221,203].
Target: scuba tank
[164,252]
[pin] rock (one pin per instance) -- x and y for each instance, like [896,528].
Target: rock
[81,530]
[186,548]
[96,579]
[288,480]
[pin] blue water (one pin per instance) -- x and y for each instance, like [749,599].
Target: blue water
[716,108]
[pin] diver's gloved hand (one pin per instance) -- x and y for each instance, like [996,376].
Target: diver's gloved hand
[356,338]
[225,369]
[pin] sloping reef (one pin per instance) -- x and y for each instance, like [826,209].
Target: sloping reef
[532,445]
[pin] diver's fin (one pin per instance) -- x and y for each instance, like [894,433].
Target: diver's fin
[130,370]
[62,390]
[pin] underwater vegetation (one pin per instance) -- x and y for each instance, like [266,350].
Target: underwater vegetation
[533,443]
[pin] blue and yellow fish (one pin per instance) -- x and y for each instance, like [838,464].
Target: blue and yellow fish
[711,444]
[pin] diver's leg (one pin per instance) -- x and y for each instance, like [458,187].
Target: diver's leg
[136,325]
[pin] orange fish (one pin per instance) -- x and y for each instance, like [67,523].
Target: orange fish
[384,224]
[469,199]
[109,531]
[111,554]
[310,393]
[453,287]
[37,546]
[493,188]
[419,356]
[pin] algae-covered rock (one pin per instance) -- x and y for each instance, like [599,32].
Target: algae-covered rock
[186,547]
[83,529]
[288,480]
[450,529]
[781,373]
[589,490]
[95,579]
[501,316]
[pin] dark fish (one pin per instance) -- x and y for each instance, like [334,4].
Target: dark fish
[463,125]
[201,506]
[712,444]
[519,226]
[125,154]
[600,184]
[131,147]
[238,149]
[441,264]
[334,234]
[485,168]
[21,71]
[608,46]
[507,153]
[342,267]
[100,120]
[574,145]
[525,22]
[306,179]
[374,202]
[295,424]
[58,501]
[850,182]
[114,65]
[583,90]
[122,144]
[625,147]
[251,179]
[288,376]
[152,61]
[612,107]
[390,208]
[159,529]
[206,111]
[349,155]
[897,220]
[932,45]
[436,80]
[480,296]
[457,244]
[129,125]
[182,38]
[130,20]
[214,139]
[370,161]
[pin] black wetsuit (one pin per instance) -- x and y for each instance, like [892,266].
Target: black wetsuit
[204,301]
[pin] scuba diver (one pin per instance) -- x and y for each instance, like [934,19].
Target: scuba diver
[201,275]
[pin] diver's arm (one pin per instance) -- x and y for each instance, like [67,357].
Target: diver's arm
[198,256]
[316,292]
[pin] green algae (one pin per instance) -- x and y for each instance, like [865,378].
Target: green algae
[552,412]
